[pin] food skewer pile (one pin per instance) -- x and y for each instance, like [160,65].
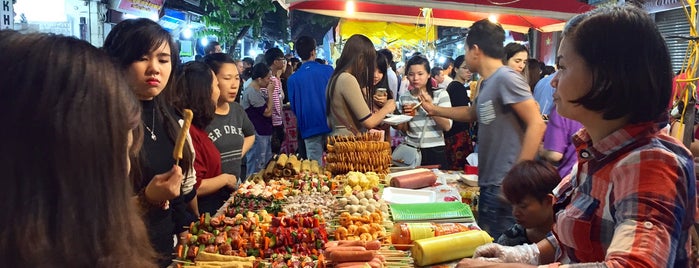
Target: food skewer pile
[299,204]
[210,260]
[270,195]
[286,166]
[363,153]
[252,196]
[256,234]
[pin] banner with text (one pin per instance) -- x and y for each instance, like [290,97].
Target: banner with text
[140,8]
[7,15]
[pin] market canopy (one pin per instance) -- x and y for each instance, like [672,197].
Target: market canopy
[514,15]
[388,34]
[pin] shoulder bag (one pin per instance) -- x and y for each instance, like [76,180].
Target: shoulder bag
[408,156]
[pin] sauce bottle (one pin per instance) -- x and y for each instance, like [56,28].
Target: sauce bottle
[405,233]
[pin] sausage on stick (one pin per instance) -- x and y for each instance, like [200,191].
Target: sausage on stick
[182,136]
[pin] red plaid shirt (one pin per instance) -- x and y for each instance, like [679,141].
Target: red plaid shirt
[629,202]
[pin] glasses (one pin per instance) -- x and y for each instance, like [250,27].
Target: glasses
[282,59]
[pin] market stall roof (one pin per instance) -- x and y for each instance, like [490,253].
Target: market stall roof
[515,15]
[388,34]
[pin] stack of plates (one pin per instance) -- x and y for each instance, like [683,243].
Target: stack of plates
[395,195]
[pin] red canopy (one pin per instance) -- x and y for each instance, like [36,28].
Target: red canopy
[519,16]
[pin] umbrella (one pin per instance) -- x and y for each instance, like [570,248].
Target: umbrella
[517,15]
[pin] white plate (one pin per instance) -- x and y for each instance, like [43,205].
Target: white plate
[397,119]
[470,179]
[407,196]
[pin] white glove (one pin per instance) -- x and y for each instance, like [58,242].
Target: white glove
[527,254]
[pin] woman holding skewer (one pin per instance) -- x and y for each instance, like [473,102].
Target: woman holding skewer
[423,130]
[197,89]
[147,55]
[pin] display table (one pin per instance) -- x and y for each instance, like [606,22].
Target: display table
[337,208]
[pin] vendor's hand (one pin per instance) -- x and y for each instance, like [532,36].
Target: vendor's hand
[426,100]
[528,253]
[468,262]
[165,186]
[231,181]
[380,100]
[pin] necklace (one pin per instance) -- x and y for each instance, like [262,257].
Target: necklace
[152,133]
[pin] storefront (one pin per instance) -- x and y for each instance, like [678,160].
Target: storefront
[65,17]
[672,21]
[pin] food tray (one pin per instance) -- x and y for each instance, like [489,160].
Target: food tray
[395,195]
[446,212]
[397,119]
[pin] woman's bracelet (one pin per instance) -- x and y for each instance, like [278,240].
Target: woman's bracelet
[148,204]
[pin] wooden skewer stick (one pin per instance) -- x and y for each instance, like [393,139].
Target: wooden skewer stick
[417,105]
[405,262]
[402,245]
[403,259]
[183,262]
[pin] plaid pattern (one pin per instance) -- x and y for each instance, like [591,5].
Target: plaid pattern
[629,202]
[277,119]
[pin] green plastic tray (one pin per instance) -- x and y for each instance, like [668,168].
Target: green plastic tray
[443,211]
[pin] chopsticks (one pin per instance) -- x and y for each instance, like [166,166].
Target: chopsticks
[418,105]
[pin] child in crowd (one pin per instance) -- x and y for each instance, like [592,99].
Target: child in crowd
[532,209]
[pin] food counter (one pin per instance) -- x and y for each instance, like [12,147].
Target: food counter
[294,214]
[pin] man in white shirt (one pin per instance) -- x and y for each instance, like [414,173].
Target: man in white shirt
[447,68]
[391,75]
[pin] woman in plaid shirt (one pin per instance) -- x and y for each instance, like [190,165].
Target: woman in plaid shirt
[631,199]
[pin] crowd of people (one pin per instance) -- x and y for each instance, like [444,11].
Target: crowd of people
[90,134]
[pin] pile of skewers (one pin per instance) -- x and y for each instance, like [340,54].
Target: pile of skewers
[364,153]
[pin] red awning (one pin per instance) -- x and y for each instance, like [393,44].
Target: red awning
[519,16]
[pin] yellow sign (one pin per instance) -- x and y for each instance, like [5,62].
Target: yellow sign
[389,34]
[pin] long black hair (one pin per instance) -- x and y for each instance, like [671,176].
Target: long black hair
[216,60]
[421,60]
[193,88]
[67,116]
[358,56]
[129,41]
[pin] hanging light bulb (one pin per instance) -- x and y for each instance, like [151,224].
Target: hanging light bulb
[492,18]
[349,7]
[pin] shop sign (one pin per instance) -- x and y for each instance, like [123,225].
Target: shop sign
[653,6]
[141,8]
[7,15]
